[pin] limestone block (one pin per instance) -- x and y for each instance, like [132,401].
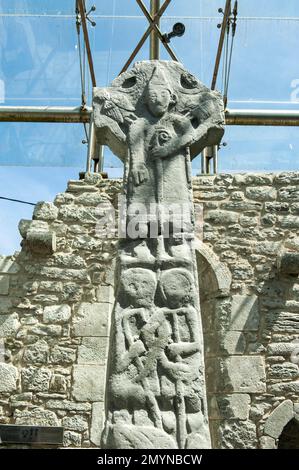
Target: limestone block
[238,435]
[285,371]
[97,423]
[9,324]
[58,383]
[37,353]
[8,265]
[88,383]
[261,193]
[62,355]
[57,314]
[8,378]
[105,294]
[234,406]
[290,194]
[287,178]
[267,442]
[277,207]
[60,274]
[4,284]
[36,417]
[41,241]
[92,319]
[93,350]
[75,423]
[245,314]
[222,217]
[67,405]
[288,262]
[289,222]
[36,379]
[233,343]
[288,388]
[245,374]
[45,211]
[71,439]
[278,419]
[281,349]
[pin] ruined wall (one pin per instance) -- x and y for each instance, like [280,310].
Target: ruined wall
[56,299]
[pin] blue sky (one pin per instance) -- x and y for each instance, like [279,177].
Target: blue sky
[39,66]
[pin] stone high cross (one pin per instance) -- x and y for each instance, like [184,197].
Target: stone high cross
[155,118]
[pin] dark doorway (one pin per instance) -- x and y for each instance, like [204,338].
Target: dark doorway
[289,438]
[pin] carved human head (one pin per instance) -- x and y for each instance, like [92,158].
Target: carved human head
[139,287]
[159,95]
[176,287]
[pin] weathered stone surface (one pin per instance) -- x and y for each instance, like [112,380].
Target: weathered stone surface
[288,262]
[57,314]
[261,193]
[285,371]
[92,319]
[278,419]
[238,435]
[36,417]
[69,406]
[75,423]
[45,211]
[8,265]
[233,343]
[72,439]
[36,379]
[97,423]
[37,353]
[4,284]
[63,355]
[8,378]
[289,222]
[245,374]
[105,294]
[290,194]
[245,314]
[267,442]
[234,406]
[93,350]
[222,217]
[88,383]
[9,324]
[286,388]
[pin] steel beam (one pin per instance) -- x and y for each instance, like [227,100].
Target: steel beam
[44,114]
[82,11]
[226,14]
[233,117]
[261,117]
[154,39]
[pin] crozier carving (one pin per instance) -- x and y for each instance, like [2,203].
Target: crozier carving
[155,118]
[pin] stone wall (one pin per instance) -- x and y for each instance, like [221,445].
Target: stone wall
[56,299]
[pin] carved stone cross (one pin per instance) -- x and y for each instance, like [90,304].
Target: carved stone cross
[156,117]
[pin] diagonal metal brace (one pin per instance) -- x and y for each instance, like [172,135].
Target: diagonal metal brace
[153,25]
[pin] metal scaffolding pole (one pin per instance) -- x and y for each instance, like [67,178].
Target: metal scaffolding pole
[154,39]
[65,114]
[45,114]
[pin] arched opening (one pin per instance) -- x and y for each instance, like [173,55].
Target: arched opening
[289,438]
[214,281]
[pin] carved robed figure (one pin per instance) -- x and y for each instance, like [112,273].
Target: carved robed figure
[155,118]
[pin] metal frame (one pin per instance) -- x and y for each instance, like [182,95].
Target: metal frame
[233,117]
[153,27]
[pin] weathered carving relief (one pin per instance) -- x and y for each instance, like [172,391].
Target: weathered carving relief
[155,118]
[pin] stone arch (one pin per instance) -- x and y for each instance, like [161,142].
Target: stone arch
[214,281]
[214,277]
[281,429]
